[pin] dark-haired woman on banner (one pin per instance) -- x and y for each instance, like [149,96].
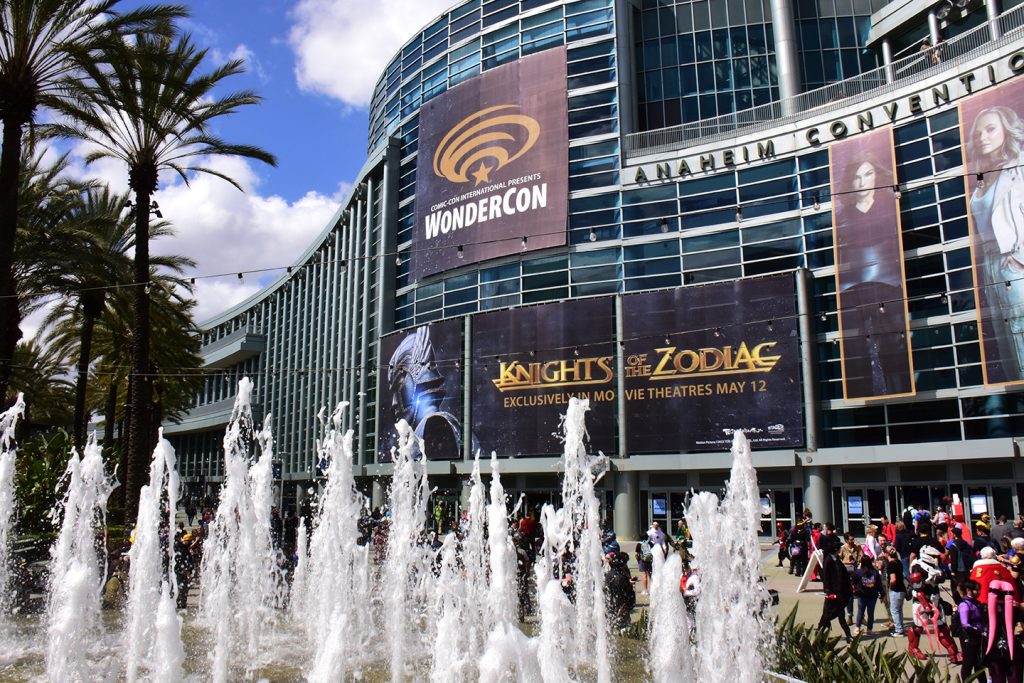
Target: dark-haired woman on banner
[870,281]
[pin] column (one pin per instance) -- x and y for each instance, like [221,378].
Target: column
[817,492]
[786,54]
[992,10]
[933,27]
[626,525]
[887,60]
[377,494]
[808,358]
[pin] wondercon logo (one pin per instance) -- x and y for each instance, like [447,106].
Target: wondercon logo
[484,142]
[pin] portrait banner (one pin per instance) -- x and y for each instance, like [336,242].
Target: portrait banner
[871,292]
[420,381]
[704,361]
[528,363]
[992,134]
[492,171]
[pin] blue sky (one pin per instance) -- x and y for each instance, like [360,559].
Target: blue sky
[315,63]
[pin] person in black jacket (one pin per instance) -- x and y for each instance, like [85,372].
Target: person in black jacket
[836,584]
[618,586]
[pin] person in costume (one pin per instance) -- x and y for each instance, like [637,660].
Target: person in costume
[926,575]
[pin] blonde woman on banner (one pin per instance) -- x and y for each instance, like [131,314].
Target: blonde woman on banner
[994,148]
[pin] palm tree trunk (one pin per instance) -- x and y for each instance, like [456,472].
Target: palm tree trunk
[139,438]
[110,416]
[10,319]
[82,381]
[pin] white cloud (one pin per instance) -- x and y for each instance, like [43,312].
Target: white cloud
[227,231]
[341,48]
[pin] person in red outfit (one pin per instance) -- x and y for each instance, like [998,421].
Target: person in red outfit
[988,569]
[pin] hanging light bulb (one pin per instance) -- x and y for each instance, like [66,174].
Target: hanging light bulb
[524,244]
[664,225]
[593,235]
[817,204]
[458,252]
[398,260]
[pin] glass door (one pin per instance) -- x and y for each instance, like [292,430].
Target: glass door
[855,511]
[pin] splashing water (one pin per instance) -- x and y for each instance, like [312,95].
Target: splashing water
[669,631]
[732,609]
[335,590]
[151,574]
[77,568]
[241,583]
[8,455]
[582,511]
[407,564]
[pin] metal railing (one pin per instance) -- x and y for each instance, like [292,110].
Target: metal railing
[833,97]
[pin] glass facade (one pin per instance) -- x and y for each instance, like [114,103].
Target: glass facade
[315,332]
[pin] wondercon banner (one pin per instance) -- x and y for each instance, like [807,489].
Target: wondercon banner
[492,175]
[528,363]
[704,361]
[420,381]
[993,135]
[871,291]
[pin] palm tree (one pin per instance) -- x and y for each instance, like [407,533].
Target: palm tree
[100,258]
[43,46]
[39,373]
[149,106]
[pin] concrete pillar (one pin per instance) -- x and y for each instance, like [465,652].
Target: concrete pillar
[890,75]
[464,491]
[933,27]
[818,492]
[786,54]
[624,31]
[377,494]
[992,10]
[627,491]
[808,358]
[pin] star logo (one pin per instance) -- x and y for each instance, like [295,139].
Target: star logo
[484,142]
[482,173]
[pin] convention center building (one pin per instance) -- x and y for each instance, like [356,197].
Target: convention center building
[803,219]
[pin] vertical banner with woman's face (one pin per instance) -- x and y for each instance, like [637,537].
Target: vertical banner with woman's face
[993,135]
[870,285]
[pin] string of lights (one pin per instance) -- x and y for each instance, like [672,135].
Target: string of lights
[818,197]
[652,340]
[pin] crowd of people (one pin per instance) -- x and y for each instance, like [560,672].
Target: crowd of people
[961,587]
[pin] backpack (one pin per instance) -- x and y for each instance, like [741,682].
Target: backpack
[964,556]
[645,551]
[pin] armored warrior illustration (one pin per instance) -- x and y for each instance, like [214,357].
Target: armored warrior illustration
[418,394]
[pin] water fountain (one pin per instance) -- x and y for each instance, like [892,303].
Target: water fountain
[334,594]
[154,635]
[8,455]
[732,609]
[76,573]
[241,582]
[443,611]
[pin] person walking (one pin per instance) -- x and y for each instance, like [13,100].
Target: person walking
[867,587]
[850,554]
[644,560]
[897,589]
[836,584]
[971,614]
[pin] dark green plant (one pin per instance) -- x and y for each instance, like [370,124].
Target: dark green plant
[637,630]
[810,655]
[41,463]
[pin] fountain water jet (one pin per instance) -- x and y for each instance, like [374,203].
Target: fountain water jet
[151,579]
[76,571]
[335,589]
[407,563]
[731,610]
[8,454]
[241,581]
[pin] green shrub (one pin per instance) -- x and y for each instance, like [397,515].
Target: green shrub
[813,656]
